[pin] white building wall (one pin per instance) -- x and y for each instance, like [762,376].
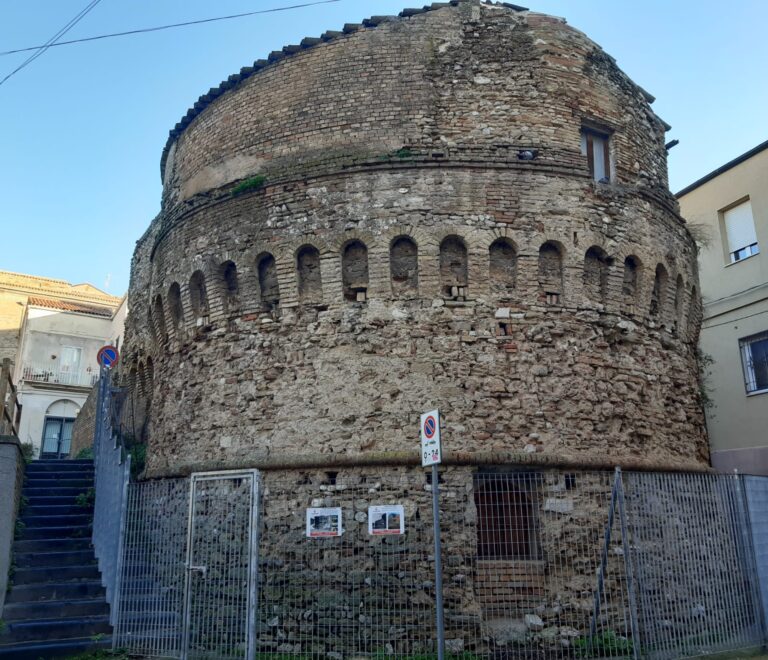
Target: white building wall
[45,335]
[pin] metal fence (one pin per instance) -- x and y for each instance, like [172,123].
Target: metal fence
[536,564]
[112,471]
[542,564]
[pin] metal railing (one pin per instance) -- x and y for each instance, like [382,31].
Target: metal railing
[546,564]
[53,374]
[112,470]
[10,408]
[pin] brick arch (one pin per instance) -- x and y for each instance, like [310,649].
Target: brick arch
[198,286]
[679,293]
[551,277]
[658,304]
[309,273]
[419,236]
[265,279]
[453,260]
[596,271]
[502,266]
[229,285]
[158,318]
[340,241]
[175,306]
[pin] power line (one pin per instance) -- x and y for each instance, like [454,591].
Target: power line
[167,27]
[51,42]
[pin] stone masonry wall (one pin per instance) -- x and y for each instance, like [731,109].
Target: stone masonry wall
[528,318]
[85,424]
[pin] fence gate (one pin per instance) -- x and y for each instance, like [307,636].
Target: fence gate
[188,582]
[220,584]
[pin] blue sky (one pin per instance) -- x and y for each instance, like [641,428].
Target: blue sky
[83,126]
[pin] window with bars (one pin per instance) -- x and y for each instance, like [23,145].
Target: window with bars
[740,232]
[754,358]
[507,515]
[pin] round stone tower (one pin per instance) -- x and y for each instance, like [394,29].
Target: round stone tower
[464,207]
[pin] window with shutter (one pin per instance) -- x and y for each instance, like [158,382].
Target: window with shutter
[595,146]
[740,232]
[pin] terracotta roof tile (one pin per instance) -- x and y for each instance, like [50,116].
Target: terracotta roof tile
[64,306]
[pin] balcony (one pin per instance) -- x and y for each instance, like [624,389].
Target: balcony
[53,374]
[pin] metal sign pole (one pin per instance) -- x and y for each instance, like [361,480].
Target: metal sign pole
[432,455]
[438,564]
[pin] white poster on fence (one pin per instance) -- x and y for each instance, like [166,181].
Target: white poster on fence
[324,522]
[386,519]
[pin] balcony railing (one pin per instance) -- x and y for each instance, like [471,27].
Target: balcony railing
[53,374]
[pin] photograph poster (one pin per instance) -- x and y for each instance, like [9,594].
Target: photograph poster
[386,519]
[324,522]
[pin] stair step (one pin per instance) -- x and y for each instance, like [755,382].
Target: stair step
[50,475]
[51,500]
[56,649]
[55,609]
[52,545]
[53,520]
[55,510]
[24,593]
[32,575]
[52,491]
[73,531]
[56,558]
[55,629]
[62,461]
[36,482]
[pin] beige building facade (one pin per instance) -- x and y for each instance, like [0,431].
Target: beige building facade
[729,207]
[52,331]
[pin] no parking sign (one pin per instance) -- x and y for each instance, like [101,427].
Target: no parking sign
[431,453]
[108,356]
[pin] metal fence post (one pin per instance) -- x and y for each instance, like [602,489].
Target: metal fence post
[438,564]
[604,558]
[253,567]
[120,544]
[752,551]
[628,565]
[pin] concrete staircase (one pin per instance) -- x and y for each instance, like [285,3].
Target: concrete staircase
[56,606]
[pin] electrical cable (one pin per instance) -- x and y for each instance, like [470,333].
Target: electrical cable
[167,27]
[51,42]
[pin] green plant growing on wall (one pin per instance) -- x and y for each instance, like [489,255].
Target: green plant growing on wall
[254,183]
[138,459]
[85,452]
[18,529]
[27,451]
[86,499]
[402,153]
[705,362]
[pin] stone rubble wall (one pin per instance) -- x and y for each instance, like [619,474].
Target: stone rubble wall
[364,594]
[11,482]
[84,428]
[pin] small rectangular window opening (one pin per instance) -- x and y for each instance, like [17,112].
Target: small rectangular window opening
[595,145]
[507,515]
[754,359]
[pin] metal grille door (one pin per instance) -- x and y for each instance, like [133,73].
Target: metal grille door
[219,614]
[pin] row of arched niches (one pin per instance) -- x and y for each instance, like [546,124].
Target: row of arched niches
[458,269]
